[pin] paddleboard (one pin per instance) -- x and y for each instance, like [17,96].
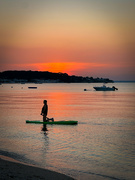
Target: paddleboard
[54,122]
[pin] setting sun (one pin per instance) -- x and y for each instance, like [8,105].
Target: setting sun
[67,67]
[54,67]
[60,67]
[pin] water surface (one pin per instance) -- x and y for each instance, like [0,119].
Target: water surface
[101,146]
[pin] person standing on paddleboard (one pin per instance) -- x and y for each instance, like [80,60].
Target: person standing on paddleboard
[44,111]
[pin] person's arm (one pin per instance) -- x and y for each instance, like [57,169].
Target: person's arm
[42,110]
[46,109]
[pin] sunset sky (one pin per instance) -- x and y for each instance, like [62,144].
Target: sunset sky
[79,37]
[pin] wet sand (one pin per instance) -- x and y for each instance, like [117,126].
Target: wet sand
[14,170]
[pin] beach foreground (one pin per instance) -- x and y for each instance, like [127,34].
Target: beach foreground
[13,170]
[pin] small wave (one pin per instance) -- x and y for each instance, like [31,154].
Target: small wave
[16,157]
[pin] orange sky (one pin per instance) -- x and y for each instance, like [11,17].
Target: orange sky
[77,37]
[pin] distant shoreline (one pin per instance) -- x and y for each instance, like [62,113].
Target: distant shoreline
[12,82]
[47,77]
[124,81]
[39,77]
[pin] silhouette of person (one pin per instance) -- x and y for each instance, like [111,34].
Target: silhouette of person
[44,111]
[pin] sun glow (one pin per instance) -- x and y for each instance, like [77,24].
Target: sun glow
[56,67]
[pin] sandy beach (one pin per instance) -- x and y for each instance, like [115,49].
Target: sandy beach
[18,171]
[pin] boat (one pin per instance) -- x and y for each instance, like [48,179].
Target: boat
[31,87]
[54,122]
[87,90]
[104,88]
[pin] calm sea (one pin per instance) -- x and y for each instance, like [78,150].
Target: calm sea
[101,146]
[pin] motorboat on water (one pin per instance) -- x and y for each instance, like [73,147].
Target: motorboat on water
[32,87]
[104,88]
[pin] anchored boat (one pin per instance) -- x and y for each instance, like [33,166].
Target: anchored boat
[104,88]
[31,87]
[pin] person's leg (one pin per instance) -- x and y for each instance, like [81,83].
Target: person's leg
[51,119]
[44,118]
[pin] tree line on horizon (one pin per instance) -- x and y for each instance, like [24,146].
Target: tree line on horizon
[32,76]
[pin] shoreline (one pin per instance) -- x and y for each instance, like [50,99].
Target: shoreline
[13,169]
